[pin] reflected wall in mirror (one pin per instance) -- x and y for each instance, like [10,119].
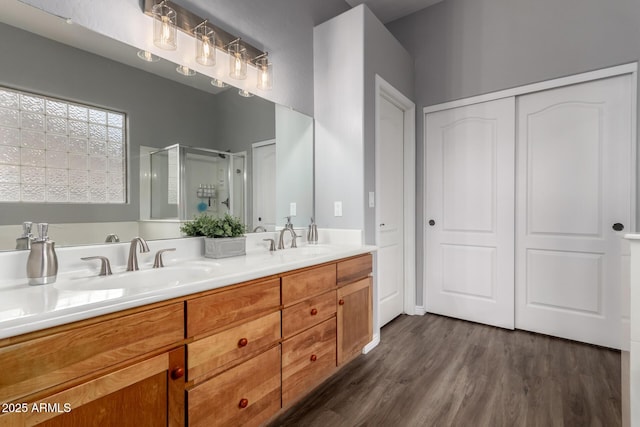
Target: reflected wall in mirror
[160,112]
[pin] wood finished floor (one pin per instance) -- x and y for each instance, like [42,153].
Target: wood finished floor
[437,371]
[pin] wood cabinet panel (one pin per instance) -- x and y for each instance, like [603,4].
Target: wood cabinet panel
[355,328]
[246,395]
[307,313]
[44,362]
[211,354]
[304,284]
[307,359]
[133,396]
[223,309]
[354,268]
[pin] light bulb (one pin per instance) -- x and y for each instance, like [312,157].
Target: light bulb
[166,30]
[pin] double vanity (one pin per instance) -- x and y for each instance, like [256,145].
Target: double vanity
[199,342]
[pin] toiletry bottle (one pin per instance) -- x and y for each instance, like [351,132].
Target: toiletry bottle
[23,242]
[312,234]
[42,264]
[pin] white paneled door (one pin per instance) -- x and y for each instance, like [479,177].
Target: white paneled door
[469,260]
[390,238]
[574,203]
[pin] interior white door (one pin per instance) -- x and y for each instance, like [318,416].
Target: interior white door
[390,187]
[574,185]
[469,182]
[264,185]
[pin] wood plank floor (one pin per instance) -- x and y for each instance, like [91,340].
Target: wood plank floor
[437,371]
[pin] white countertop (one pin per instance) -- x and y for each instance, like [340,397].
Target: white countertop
[80,295]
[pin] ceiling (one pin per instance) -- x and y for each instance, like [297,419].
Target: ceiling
[390,10]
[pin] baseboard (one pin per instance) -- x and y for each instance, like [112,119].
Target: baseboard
[373,344]
[420,311]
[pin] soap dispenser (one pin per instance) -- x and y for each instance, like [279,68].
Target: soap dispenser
[23,243]
[312,234]
[42,264]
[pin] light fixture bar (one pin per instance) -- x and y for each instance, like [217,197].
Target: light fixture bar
[187,21]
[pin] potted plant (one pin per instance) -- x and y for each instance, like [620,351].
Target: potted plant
[224,237]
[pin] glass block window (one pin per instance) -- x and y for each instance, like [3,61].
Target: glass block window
[54,151]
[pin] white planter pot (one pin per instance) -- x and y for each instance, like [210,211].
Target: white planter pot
[224,247]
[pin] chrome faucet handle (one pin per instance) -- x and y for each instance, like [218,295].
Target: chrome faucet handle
[157,262]
[293,239]
[105,265]
[272,245]
[132,262]
[112,238]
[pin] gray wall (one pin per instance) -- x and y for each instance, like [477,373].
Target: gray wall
[160,112]
[463,48]
[345,112]
[282,27]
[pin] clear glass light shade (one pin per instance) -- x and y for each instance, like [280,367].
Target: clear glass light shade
[165,33]
[147,56]
[185,71]
[205,45]
[237,61]
[218,83]
[265,74]
[245,93]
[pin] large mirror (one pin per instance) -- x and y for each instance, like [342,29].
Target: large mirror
[162,108]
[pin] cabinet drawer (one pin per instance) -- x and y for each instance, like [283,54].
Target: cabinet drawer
[299,286]
[246,395]
[212,353]
[353,269]
[219,310]
[44,362]
[307,359]
[308,313]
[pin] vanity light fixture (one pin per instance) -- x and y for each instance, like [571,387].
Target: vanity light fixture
[237,60]
[265,72]
[205,44]
[147,56]
[218,83]
[185,71]
[165,33]
[245,93]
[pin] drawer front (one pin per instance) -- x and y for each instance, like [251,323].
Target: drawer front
[308,313]
[307,359]
[299,286]
[219,310]
[44,362]
[353,269]
[210,354]
[246,395]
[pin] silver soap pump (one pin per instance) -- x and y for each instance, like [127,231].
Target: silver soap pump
[42,264]
[312,234]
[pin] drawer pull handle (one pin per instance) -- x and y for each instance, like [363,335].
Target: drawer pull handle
[314,357]
[341,302]
[243,342]
[314,311]
[243,403]
[177,373]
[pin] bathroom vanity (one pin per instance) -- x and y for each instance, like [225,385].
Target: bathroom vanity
[234,349]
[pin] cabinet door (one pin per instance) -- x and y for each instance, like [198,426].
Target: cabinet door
[149,393]
[355,320]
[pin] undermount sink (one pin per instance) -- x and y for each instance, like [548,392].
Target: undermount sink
[152,278]
[310,250]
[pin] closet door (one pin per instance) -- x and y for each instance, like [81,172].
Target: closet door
[575,162]
[469,182]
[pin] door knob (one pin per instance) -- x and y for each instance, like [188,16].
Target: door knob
[618,227]
[432,222]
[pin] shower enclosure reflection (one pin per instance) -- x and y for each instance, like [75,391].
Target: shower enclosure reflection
[188,181]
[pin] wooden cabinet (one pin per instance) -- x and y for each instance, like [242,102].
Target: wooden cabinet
[355,307]
[147,391]
[226,357]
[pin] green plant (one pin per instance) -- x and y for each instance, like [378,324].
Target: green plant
[210,226]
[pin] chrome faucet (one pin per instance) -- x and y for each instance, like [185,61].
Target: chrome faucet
[112,238]
[293,238]
[132,263]
[259,228]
